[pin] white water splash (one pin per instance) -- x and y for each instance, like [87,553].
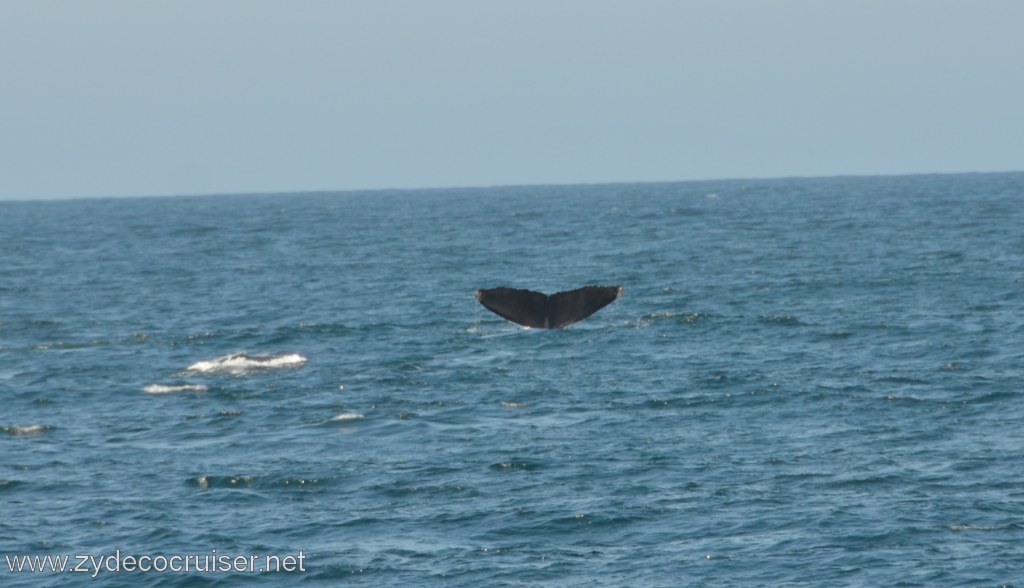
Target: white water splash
[240,363]
[348,416]
[25,430]
[171,389]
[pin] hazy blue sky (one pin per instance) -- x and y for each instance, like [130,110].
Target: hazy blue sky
[211,96]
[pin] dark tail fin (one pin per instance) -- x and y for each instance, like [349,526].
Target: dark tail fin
[537,310]
[566,308]
[523,307]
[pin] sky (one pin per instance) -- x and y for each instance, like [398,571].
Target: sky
[137,98]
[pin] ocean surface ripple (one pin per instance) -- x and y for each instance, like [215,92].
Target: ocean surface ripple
[806,382]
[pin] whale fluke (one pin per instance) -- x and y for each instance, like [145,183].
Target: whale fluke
[540,311]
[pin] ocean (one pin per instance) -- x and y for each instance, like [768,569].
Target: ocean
[805,382]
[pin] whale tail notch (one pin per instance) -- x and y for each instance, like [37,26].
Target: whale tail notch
[540,311]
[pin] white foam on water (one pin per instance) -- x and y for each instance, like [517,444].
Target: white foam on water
[25,430]
[241,362]
[171,389]
[965,527]
[348,416]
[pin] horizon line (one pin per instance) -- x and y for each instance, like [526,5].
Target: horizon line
[323,191]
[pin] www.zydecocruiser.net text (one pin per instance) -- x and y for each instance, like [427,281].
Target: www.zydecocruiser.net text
[206,563]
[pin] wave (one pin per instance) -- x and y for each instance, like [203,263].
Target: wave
[784,320]
[10,484]
[668,316]
[205,482]
[966,527]
[211,481]
[348,416]
[171,389]
[241,363]
[25,430]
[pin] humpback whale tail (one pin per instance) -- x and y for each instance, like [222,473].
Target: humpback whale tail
[538,310]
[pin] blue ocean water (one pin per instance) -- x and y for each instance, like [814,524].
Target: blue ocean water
[806,382]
